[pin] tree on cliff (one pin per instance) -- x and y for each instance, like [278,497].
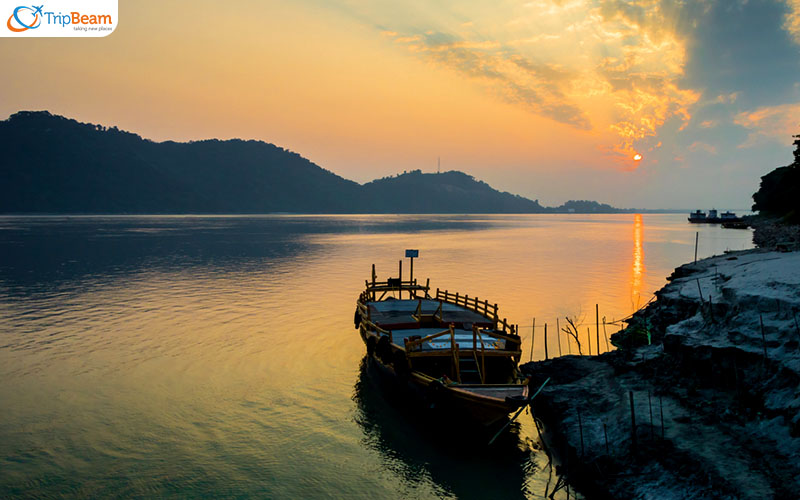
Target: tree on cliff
[779,193]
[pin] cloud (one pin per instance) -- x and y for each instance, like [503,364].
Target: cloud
[727,98]
[741,51]
[770,124]
[792,20]
[631,73]
[571,59]
[702,146]
[507,73]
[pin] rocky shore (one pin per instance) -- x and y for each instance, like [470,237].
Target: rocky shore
[769,232]
[707,409]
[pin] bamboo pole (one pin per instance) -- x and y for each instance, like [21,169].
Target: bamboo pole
[605,334]
[545,342]
[558,336]
[400,278]
[696,237]
[597,324]
[530,400]
[533,336]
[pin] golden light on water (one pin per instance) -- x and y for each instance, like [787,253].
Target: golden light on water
[637,269]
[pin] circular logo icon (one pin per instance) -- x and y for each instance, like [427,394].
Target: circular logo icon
[27,24]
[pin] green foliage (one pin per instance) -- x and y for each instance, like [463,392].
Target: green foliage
[779,193]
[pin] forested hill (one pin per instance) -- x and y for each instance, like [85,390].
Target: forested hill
[779,192]
[52,164]
[415,192]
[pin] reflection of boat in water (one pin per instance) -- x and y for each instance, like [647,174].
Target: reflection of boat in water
[450,350]
[433,457]
[713,217]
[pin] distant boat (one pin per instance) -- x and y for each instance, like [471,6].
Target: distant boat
[698,216]
[451,350]
[728,217]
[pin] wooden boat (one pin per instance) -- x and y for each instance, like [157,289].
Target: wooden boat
[451,350]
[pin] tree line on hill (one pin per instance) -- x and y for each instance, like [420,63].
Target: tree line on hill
[778,196]
[53,164]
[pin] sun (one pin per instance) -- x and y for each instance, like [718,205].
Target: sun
[637,157]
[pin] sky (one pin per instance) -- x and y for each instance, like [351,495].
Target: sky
[548,99]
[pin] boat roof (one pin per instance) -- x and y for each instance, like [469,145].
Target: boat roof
[398,316]
[395,314]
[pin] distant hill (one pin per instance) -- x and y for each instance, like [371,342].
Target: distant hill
[56,165]
[587,207]
[448,192]
[52,164]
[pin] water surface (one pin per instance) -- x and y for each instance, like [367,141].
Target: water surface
[195,356]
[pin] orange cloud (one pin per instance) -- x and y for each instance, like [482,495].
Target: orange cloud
[615,62]
[769,123]
[792,21]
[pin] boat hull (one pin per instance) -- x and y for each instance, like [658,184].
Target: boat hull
[462,402]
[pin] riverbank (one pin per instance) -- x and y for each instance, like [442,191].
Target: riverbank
[715,394]
[770,232]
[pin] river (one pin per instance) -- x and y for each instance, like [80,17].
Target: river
[215,356]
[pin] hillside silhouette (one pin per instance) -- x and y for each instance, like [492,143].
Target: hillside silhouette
[453,191]
[53,164]
[779,193]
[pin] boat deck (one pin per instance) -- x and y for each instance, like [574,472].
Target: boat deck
[397,316]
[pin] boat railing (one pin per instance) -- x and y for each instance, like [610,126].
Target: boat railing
[367,324]
[414,348]
[482,307]
[372,288]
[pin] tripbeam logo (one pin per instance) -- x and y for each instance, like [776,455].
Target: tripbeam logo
[32,15]
[61,18]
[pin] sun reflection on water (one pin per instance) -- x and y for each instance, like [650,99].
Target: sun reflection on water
[637,269]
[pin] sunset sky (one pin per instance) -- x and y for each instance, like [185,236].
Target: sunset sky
[549,99]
